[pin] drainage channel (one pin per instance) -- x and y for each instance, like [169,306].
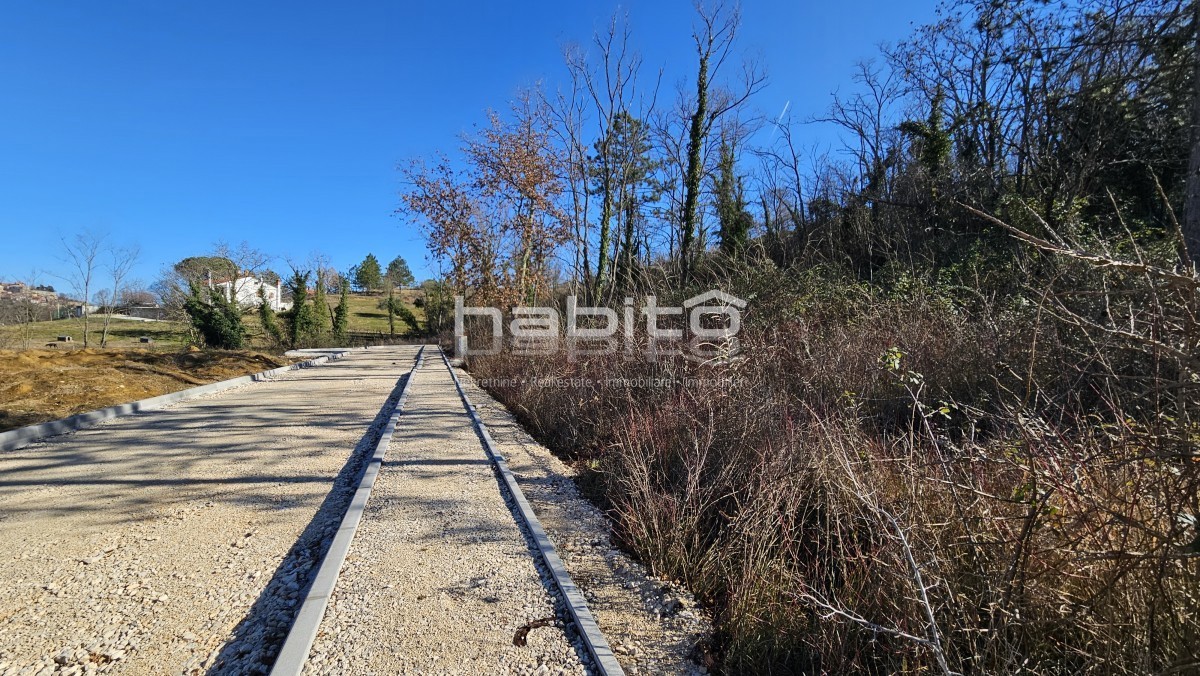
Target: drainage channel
[604,661]
[304,629]
[298,648]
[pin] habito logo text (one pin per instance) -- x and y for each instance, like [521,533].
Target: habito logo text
[713,320]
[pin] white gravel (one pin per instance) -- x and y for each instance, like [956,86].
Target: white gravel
[652,624]
[439,577]
[180,541]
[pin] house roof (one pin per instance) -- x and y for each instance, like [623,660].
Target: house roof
[226,280]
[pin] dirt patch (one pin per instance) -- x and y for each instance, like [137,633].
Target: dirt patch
[41,385]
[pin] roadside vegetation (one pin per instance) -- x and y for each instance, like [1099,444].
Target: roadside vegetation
[37,386]
[206,337]
[959,431]
[122,333]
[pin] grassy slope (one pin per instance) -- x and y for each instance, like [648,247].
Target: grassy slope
[122,333]
[366,317]
[41,385]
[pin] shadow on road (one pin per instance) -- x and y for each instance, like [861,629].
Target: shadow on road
[258,637]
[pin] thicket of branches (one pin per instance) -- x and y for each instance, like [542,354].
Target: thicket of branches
[962,437]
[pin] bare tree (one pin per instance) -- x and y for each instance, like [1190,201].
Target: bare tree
[866,115]
[611,85]
[568,111]
[120,262]
[782,192]
[135,292]
[247,262]
[714,39]
[24,311]
[1191,209]
[81,253]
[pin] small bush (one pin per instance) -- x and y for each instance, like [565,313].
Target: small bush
[218,320]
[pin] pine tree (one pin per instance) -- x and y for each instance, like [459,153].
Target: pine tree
[321,313]
[399,274]
[369,277]
[621,173]
[266,317]
[341,315]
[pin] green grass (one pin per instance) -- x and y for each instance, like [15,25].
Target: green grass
[367,317]
[123,333]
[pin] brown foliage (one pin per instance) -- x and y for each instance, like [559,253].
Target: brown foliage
[496,224]
[864,493]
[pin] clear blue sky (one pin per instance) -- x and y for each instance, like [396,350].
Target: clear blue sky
[172,125]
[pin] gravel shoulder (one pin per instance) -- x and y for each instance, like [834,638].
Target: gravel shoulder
[653,625]
[180,541]
[440,577]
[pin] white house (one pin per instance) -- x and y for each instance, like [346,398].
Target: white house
[244,289]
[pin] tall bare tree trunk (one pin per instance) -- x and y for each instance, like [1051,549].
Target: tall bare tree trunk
[606,209]
[107,320]
[1191,208]
[691,181]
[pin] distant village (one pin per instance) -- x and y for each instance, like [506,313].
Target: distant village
[42,295]
[42,302]
[20,302]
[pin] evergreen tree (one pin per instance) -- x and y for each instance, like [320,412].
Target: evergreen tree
[321,313]
[218,320]
[341,315]
[735,221]
[390,305]
[369,276]
[302,322]
[934,137]
[406,316]
[266,317]
[395,308]
[621,173]
[398,273]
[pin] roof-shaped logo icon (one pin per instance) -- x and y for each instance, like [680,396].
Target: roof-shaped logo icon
[720,297]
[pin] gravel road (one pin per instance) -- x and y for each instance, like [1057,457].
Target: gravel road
[180,541]
[439,577]
[652,624]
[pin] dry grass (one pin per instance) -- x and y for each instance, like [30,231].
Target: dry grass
[122,333]
[41,385]
[896,485]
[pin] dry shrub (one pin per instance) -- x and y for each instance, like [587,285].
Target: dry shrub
[872,492]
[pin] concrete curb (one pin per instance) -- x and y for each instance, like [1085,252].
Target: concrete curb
[602,654]
[23,436]
[296,646]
